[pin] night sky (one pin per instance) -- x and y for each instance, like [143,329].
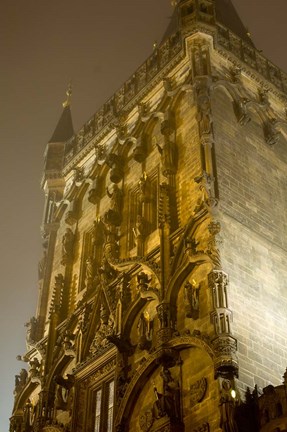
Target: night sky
[44,45]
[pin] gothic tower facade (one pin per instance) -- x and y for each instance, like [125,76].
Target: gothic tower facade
[162,285]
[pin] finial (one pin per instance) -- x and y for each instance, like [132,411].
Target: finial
[154,45]
[173,3]
[69,94]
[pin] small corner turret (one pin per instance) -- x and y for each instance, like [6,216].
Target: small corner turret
[56,146]
[52,181]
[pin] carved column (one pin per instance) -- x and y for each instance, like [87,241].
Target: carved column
[224,345]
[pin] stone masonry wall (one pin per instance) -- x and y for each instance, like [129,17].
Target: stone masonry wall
[253,212]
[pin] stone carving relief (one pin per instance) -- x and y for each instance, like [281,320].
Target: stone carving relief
[206,198]
[35,370]
[241,111]
[203,428]
[166,404]
[200,60]
[198,391]
[105,329]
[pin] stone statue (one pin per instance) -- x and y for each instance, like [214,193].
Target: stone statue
[191,300]
[144,328]
[139,234]
[168,156]
[227,409]
[20,380]
[67,246]
[89,272]
[116,198]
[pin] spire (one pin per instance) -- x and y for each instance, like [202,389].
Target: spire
[64,129]
[189,12]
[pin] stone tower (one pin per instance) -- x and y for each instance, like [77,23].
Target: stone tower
[163,291]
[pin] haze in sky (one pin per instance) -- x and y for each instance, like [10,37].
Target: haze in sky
[44,45]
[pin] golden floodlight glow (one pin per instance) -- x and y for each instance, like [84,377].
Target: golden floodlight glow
[233,394]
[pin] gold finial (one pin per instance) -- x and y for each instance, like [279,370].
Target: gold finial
[69,94]
[173,3]
[154,45]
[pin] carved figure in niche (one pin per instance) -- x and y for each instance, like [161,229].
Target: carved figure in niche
[139,229]
[113,215]
[145,189]
[98,233]
[31,330]
[28,417]
[163,314]
[206,199]
[168,156]
[271,134]
[143,282]
[199,63]
[167,403]
[67,246]
[105,329]
[227,408]
[89,273]
[78,174]
[235,73]
[241,112]
[116,198]
[106,272]
[191,296]
[263,96]
[145,328]
[139,234]
[204,111]
[35,367]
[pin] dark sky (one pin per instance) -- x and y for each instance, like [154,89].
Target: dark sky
[43,45]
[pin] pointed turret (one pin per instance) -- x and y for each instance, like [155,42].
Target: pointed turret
[53,184]
[64,129]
